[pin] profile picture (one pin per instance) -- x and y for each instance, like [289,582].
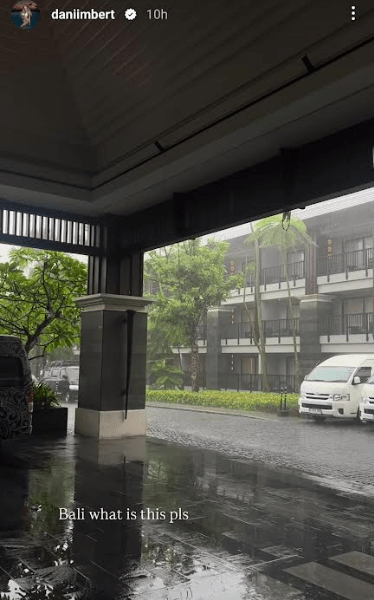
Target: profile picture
[25,14]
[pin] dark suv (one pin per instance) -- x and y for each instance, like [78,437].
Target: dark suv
[63,377]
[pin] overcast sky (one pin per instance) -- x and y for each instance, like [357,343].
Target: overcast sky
[4,252]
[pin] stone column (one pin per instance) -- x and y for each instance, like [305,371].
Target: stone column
[311,286]
[103,367]
[313,308]
[218,320]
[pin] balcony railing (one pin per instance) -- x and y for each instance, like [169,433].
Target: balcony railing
[272,328]
[357,260]
[254,383]
[247,383]
[347,325]
[277,275]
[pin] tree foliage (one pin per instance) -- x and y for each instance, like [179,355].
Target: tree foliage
[37,298]
[190,278]
[285,234]
[272,231]
[167,377]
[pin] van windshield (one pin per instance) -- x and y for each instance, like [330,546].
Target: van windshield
[333,374]
[11,372]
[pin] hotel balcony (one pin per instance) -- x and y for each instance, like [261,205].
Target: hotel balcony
[273,283]
[240,337]
[338,272]
[347,333]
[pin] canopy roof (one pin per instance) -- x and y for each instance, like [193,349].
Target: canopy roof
[116,115]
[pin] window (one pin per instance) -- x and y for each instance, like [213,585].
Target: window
[294,257]
[245,317]
[358,252]
[358,244]
[364,373]
[331,374]
[249,365]
[296,264]
[353,306]
[368,304]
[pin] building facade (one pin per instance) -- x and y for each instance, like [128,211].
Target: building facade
[331,284]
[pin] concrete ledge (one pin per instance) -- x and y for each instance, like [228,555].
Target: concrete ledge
[114,302]
[216,411]
[110,424]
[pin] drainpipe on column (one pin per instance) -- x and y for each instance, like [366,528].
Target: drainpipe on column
[129,320]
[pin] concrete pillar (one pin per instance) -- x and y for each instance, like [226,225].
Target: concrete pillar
[313,308]
[218,320]
[103,367]
[311,286]
[114,270]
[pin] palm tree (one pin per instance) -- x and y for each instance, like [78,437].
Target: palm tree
[256,322]
[285,233]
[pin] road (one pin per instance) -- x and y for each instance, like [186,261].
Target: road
[337,454]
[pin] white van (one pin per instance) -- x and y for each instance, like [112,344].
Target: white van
[367,404]
[334,388]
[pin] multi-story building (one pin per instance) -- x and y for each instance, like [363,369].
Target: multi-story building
[332,301]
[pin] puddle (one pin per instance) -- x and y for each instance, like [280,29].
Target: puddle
[173,523]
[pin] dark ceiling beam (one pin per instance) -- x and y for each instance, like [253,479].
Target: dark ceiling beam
[329,167]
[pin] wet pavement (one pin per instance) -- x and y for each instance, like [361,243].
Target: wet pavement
[156,520]
[336,453]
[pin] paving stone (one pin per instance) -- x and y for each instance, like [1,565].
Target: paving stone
[271,589]
[357,561]
[233,542]
[340,584]
[57,576]
[279,551]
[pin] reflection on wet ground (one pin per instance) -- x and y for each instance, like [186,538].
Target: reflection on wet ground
[251,533]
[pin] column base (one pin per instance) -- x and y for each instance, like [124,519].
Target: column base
[110,424]
[113,452]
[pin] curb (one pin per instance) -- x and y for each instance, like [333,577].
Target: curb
[213,411]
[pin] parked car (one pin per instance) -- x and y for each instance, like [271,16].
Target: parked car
[335,387]
[16,389]
[64,380]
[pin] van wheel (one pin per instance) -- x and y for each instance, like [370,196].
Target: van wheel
[319,419]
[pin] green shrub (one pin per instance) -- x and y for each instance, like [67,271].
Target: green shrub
[250,401]
[168,377]
[44,396]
